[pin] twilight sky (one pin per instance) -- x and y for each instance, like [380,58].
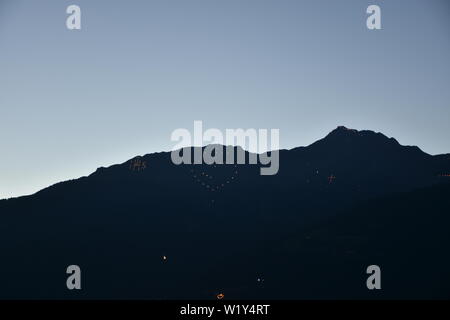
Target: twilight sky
[72,101]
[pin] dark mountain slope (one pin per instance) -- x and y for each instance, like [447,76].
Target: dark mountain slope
[406,234]
[220,226]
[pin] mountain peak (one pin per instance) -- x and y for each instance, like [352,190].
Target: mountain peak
[344,128]
[342,131]
[344,137]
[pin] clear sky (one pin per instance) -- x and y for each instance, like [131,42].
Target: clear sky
[72,101]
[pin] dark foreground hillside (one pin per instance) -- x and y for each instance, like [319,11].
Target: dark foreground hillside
[352,199]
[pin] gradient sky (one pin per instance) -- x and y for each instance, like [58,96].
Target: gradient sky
[72,101]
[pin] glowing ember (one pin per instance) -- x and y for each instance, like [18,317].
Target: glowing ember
[331,178]
[137,165]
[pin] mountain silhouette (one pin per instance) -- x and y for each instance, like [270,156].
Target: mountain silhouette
[349,200]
